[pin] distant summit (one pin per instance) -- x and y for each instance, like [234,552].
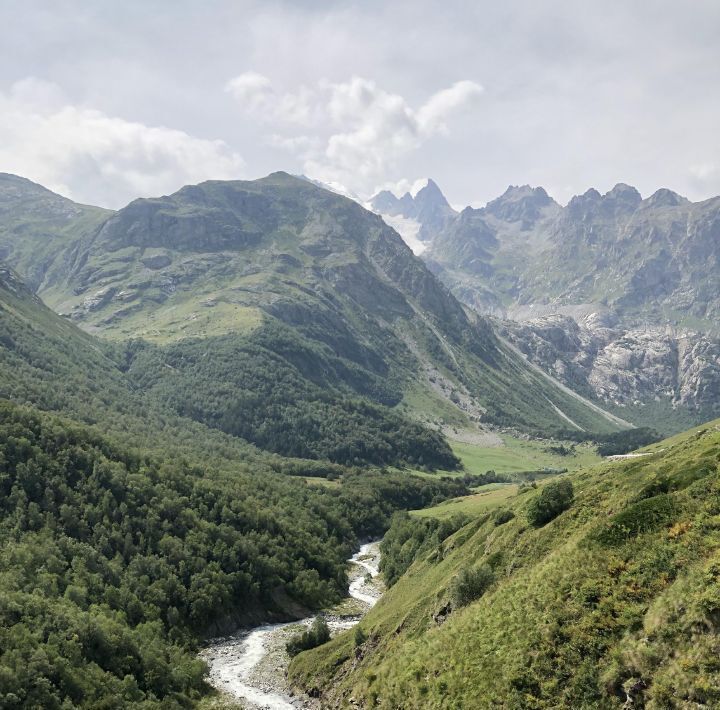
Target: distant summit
[521,204]
[428,209]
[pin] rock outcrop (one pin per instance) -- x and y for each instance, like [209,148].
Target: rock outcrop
[599,358]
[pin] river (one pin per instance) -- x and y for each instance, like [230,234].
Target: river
[251,665]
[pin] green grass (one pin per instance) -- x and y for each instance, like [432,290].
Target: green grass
[487,498]
[515,456]
[427,405]
[187,319]
[520,455]
[570,620]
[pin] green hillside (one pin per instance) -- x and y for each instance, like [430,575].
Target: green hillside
[614,598]
[39,228]
[130,532]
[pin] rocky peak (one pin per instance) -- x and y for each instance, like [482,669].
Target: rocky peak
[431,195]
[665,198]
[384,202]
[406,205]
[520,203]
[16,191]
[621,199]
[427,207]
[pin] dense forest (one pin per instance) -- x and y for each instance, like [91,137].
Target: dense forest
[288,395]
[113,564]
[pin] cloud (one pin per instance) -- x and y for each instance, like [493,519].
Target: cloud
[255,94]
[704,171]
[252,90]
[704,179]
[359,130]
[93,157]
[433,114]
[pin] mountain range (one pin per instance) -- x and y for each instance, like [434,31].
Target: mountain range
[285,271]
[614,295]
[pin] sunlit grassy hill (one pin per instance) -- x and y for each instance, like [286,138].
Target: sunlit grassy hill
[615,598]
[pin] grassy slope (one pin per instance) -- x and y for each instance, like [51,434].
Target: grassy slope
[517,455]
[37,226]
[579,609]
[486,498]
[520,455]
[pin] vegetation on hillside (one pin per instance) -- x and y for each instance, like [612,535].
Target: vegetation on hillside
[112,564]
[614,601]
[220,258]
[289,395]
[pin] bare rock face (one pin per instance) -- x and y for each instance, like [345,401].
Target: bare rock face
[638,366]
[624,366]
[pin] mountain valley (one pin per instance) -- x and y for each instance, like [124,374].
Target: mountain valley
[233,386]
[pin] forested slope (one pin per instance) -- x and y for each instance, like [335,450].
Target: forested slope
[112,564]
[129,531]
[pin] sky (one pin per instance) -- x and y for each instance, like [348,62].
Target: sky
[107,101]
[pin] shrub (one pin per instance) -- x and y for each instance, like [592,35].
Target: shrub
[503,516]
[645,516]
[360,636]
[316,635]
[553,499]
[470,584]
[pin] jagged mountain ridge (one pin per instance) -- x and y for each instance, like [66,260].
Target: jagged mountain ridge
[648,267]
[650,259]
[428,209]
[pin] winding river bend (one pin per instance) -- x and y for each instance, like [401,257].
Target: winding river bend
[250,666]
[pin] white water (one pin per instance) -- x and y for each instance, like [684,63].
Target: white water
[233,660]
[371,567]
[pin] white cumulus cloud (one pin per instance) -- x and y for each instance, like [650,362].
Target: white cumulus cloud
[353,132]
[96,158]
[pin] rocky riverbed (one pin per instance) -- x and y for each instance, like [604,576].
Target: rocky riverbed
[250,667]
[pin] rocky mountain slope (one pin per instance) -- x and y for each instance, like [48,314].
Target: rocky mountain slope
[664,376]
[279,268]
[650,259]
[615,294]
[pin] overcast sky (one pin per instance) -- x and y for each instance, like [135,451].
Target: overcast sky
[105,101]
